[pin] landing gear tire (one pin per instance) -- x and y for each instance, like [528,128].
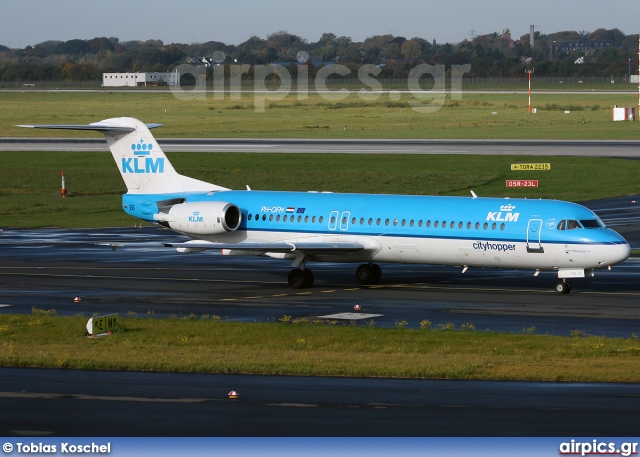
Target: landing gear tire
[308,279]
[296,279]
[299,279]
[368,274]
[563,287]
[377,273]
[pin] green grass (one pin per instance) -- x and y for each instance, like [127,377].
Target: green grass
[317,117]
[30,188]
[206,344]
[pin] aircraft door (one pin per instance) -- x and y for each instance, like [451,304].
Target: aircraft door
[534,229]
[333,220]
[344,220]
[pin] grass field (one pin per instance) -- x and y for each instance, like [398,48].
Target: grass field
[501,114]
[30,187]
[285,346]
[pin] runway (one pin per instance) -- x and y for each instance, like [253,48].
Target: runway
[48,268]
[45,402]
[589,148]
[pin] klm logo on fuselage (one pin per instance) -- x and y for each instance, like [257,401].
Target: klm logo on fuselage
[505,214]
[142,162]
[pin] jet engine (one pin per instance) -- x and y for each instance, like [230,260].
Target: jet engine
[200,218]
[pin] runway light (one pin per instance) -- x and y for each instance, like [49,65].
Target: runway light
[357,307]
[76,300]
[233,394]
[633,201]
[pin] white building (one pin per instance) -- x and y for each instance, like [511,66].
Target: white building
[140,79]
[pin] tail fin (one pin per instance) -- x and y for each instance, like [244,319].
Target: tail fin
[143,165]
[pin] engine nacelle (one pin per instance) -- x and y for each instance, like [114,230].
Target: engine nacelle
[201,218]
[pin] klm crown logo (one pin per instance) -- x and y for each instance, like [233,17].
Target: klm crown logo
[141,162]
[508,207]
[141,148]
[196,217]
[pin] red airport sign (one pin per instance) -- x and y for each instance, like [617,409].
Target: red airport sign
[522,183]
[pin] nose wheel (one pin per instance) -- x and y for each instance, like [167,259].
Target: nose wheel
[563,287]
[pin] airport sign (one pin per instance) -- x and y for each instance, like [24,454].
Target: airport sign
[522,183]
[530,166]
[102,324]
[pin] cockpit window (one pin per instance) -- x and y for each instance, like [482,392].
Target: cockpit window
[591,223]
[562,225]
[572,224]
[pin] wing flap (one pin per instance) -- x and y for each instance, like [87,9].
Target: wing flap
[309,248]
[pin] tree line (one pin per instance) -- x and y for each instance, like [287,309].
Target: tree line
[601,53]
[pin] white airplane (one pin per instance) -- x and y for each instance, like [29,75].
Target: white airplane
[304,227]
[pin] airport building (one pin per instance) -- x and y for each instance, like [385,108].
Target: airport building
[140,79]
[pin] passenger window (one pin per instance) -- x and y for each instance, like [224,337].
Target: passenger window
[493,226]
[264,217]
[362,221]
[420,223]
[378,221]
[395,222]
[313,219]
[321,219]
[404,222]
[477,225]
[386,222]
[285,218]
[428,224]
[353,221]
[333,219]
[411,223]
[485,226]
[370,221]
[249,216]
[468,225]
[299,218]
[435,224]
[452,224]
[459,224]
[271,217]
[502,226]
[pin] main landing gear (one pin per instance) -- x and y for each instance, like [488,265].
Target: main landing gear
[366,274]
[563,286]
[300,279]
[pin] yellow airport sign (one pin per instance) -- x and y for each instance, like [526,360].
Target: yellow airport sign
[530,166]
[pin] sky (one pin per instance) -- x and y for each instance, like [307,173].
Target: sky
[28,22]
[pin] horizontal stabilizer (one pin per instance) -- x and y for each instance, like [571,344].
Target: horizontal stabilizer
[98,127]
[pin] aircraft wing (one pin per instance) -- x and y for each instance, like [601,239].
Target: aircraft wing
[302,247]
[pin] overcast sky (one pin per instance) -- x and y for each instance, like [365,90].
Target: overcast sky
[25,22]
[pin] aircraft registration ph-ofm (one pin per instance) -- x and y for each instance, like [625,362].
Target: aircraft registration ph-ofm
[304,227]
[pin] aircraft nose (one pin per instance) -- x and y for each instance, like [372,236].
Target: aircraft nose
[617,253]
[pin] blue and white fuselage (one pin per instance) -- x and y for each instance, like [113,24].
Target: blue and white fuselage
[313,227]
